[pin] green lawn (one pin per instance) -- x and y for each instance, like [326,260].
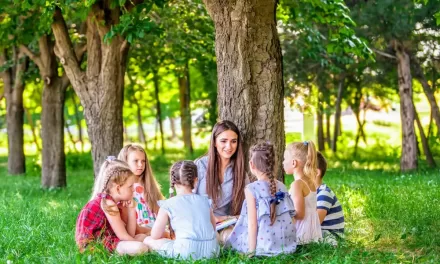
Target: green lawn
[390,218]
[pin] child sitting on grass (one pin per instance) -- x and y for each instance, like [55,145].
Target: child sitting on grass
[100,220]
[300,160]
[146,189]
[265,226]
[329,209]
[191,220]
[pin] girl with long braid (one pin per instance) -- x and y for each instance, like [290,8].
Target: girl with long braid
[100,220]
[190,218]
[265,226]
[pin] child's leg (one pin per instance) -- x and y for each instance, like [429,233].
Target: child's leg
[131,248]
[140,237]
[156,244]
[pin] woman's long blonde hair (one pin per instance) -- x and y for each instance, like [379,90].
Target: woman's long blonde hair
[112,172]
[152,192]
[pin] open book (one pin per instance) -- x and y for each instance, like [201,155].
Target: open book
[225,223]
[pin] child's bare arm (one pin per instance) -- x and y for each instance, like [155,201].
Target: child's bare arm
[322,214]
[118,225]
[252,220]
[298,199]
[160,224]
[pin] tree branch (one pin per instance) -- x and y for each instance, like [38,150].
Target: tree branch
[64,50]
[34,57]
[384,54]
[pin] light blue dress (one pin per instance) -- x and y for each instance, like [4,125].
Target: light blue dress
[271,240]
[190,218]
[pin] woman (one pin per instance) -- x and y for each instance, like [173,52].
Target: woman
[221,172]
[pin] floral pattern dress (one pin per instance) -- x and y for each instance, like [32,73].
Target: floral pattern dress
[144,215]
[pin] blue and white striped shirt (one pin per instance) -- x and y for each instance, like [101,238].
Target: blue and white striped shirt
[334,220]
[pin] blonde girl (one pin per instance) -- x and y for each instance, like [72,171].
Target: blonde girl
[146,189]
[300,159]
[100,220]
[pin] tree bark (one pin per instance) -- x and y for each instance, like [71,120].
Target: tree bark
[185,109]
[14,85]
[337,124]
[100,87]
[249,65]
[418,72]
[159,112]
[408,160]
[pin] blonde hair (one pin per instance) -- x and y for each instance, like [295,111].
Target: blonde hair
[306,153]
[112,172]
[152,192]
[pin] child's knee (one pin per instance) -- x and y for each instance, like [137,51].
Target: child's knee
[140,237]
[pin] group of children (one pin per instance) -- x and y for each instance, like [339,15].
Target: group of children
[128,214]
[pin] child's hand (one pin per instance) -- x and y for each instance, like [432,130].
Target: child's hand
[129,204]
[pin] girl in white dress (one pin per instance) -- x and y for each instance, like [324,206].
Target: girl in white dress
[300,159]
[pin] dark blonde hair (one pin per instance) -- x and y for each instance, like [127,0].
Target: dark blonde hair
[184,173]
[152,192]
[263,158]
[213,169]
[112,172]
[306,153]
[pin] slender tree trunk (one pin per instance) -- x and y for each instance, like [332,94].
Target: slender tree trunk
[33,129]
[173,128]
[185,109]
[328,127]
[408,159]
[250,81]
[13,82]
[159,112]
[100,87]
[141,132]
[337,130]
[78,122]
[418,72]
[320,117]
[428,154]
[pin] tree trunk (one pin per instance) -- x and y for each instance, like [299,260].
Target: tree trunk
[337,130]
[100,87]
[72,139]
[408,159]
[52,114]
[249,65]
[141,132]
[185,110]
[328,134]
[33,128]
[418,72]
[13,83]
[428,154]
[320,117]
[78,123]
[159,112]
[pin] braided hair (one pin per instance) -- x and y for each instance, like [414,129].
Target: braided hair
[183,173]
[112,172]
[263,157]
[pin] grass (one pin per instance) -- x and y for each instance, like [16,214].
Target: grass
[390,218]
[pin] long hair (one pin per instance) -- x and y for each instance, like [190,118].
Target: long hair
[184,173]
[212,174]
[306,153]
[263,157]
[152,192]
[112,172]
